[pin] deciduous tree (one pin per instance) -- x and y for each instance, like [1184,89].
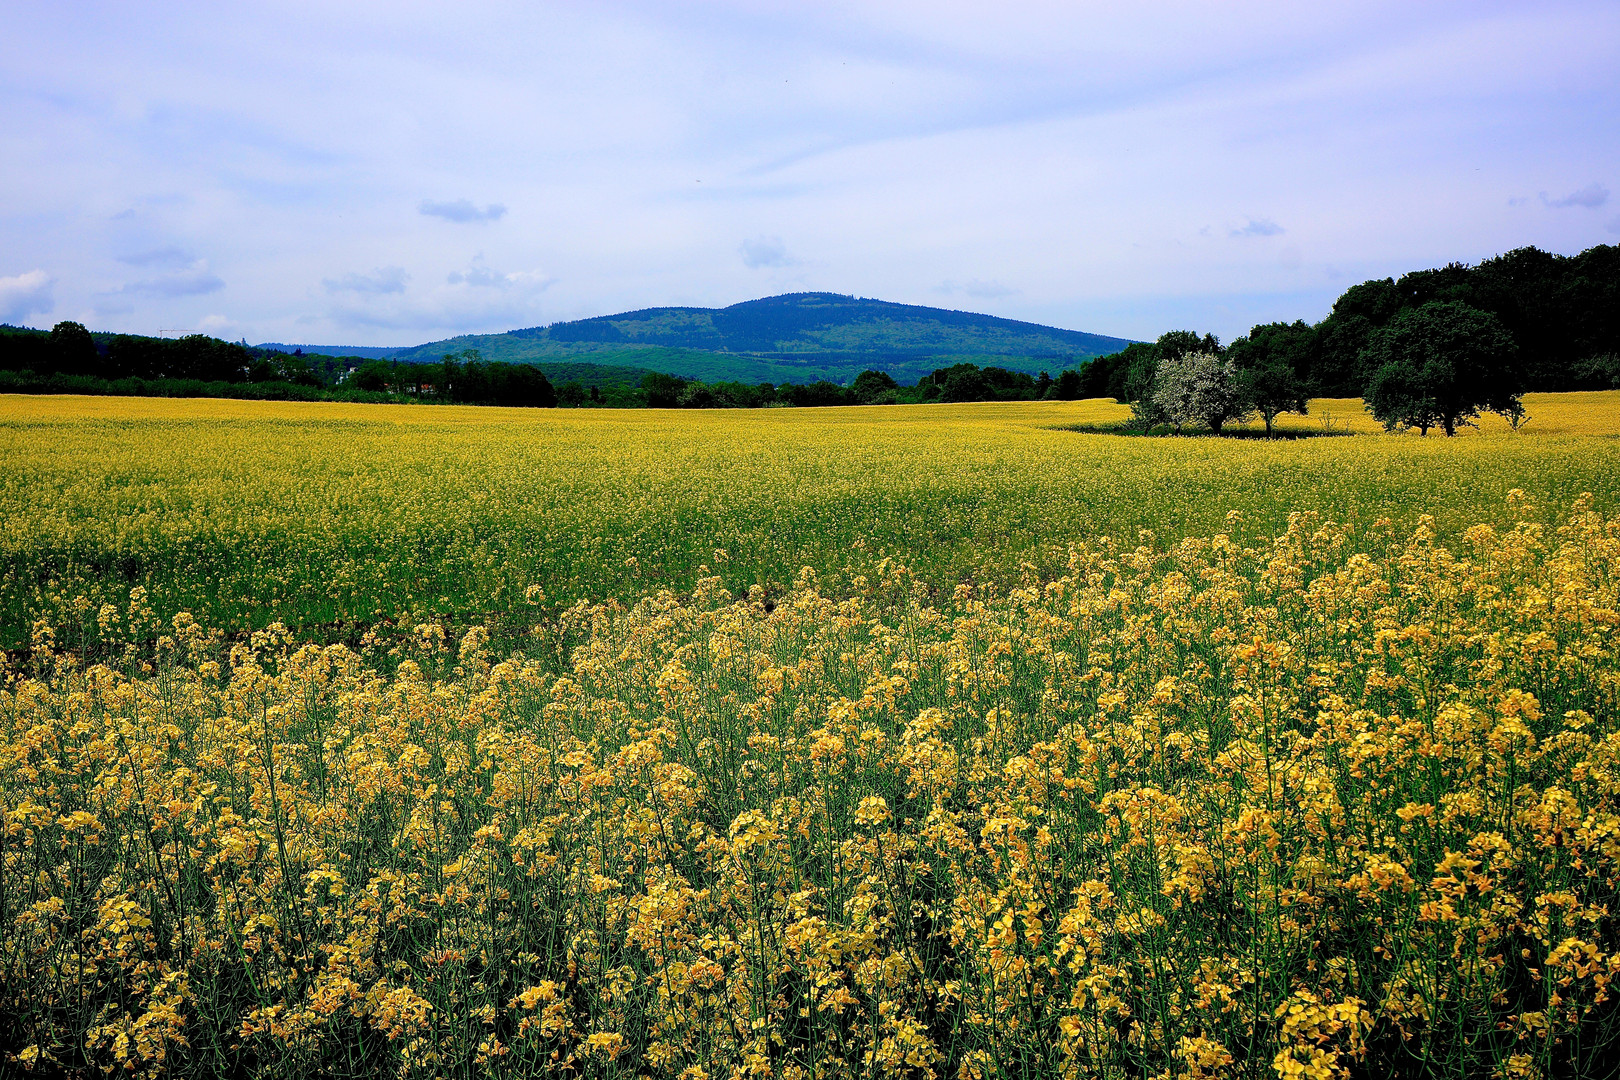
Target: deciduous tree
[1440,365]
[1199,388]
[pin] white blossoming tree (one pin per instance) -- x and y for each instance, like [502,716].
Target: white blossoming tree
[1200,388]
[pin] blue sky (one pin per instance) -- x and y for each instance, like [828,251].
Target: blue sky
[386,174]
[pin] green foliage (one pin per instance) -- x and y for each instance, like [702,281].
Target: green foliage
[966,384]
[663,391]
[1598,373]
[1561,314]
[467,379]
[373,375]
[1177,343]
[871,386]
[1111,375]
[70,350]
[1439,365]
[28,382]
[1273,364]
[283,367]
[74,350]
[1067,386]
[1142,365]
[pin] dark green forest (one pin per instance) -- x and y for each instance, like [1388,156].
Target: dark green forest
[1556,319]
[70,359]
[1562,314]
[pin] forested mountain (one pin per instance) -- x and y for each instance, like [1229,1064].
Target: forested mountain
[796,338]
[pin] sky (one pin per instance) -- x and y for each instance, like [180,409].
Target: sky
[394,173]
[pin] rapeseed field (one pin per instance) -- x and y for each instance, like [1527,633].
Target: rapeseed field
[329,518]
[1199,809]
[1054,755]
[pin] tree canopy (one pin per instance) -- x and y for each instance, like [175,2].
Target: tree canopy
[1440,365]
[1562,314]
[1273,364]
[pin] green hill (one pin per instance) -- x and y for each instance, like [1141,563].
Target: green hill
[795,338]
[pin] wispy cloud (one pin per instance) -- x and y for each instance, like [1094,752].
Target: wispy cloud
[462,211]
[25,294]
[384,279]
[477,298]
[167,258]
[194,280]
[765,253]
[1260,227]
[480,276]
[1591,196]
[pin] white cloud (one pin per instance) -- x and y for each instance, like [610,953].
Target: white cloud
[384,279]
[462,211]
[194,280]
[477,276]
[1260,227]
[24,295]
[1591,196]
[765,252]
[480,276]
[477,299]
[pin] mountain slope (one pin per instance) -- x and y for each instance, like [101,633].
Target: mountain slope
[798,337]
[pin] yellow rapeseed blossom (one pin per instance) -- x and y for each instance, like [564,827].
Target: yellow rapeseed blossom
[1322,804]
[332,518]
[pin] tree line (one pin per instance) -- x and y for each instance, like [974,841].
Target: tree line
[71,359]
[1429,350]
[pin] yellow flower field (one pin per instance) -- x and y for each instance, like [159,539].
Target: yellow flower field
[937,741]
[1197,809]
[317,515]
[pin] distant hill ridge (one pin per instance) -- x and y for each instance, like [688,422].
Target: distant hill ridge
[827,322]
[365,352]
[796,337]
